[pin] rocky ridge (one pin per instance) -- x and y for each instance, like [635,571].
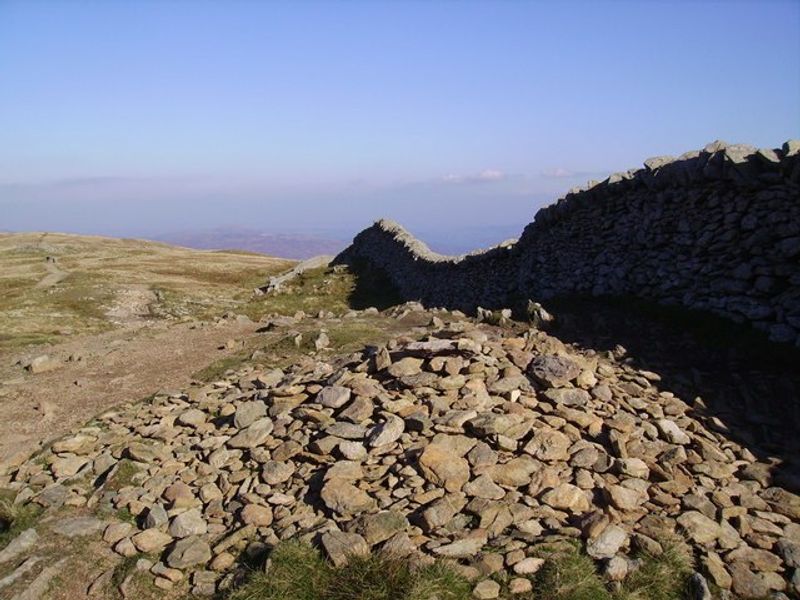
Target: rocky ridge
[469,442]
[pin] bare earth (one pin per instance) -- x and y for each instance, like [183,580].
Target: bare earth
[123,318]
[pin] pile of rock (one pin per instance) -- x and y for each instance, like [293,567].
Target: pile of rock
[472,444]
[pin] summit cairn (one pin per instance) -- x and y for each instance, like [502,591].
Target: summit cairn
[462,441]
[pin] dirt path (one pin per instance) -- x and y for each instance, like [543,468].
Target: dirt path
[132,306]
[119,366]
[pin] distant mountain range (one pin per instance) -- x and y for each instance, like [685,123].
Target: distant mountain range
[283,245]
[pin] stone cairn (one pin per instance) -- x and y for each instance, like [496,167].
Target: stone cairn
[469,442]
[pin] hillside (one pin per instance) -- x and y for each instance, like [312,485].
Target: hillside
[188,424]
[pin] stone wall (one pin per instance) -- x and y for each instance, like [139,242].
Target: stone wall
[715,230]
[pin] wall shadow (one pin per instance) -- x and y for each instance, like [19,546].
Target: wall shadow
[752,386]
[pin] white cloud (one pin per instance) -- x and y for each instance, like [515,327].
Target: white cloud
[485,176]
[558,172]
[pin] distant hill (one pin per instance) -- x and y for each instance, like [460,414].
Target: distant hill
[273,244]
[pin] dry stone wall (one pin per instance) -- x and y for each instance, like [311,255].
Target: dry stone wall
[715,230]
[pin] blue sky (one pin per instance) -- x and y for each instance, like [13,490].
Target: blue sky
[455,118]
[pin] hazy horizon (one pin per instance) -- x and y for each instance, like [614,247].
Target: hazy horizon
[458,120]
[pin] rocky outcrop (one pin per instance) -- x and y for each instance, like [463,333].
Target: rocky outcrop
[716,230]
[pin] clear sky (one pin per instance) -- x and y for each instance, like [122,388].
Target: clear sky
[140,117]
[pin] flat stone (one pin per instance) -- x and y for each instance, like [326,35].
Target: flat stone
[340,546]
[553,371]
[387,432]
[41,584]
[381,526]
[568,396]
[405,367]
[19,545]
[252,436]
[567,497]
[486,590]
[257,515]
[68,466]
[352,450]
[359,410]
[548,445]
[248,413]
[78,526]
[699,527]
[189,552]
[515,473]
[440,467]
[194,417]
[344,498]
[76,444]
[671,432]
[608,543]
[528,566]
[151,540]
[333,396]
[632,467]
[274,472]
[466,547]
[441,511]
[484,487]
[19,572]
[188,523]
[625,498]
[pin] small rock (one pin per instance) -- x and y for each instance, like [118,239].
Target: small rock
[528,566]
[188,523]
[340,546]
[257,515]
[333,396]
[189,552]
[608,543]
[254,435]
[486,590]
[151,540]
[519,585]
[248,413]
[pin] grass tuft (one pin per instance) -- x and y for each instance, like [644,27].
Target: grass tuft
[14,519]
[663,577]
[297,571]
[569,574]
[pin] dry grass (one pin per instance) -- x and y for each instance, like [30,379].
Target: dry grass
[190,283]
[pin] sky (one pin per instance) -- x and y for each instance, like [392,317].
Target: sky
[457,119]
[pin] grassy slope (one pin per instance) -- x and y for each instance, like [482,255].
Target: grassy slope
[188,283]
